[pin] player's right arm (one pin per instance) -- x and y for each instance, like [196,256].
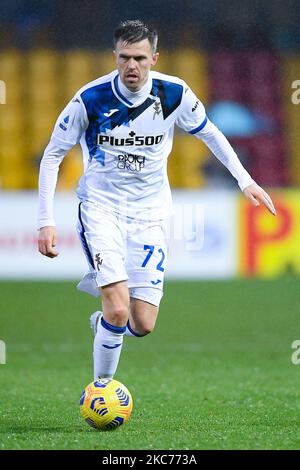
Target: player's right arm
[69,127]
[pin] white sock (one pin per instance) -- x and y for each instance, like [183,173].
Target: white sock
[107,348]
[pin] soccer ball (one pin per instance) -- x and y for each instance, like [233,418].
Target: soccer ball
[105,404]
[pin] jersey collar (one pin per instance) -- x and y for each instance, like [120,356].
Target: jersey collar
[130,98]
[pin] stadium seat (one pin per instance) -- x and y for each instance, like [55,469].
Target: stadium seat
[192,67]
[78,69]
[185,162]
[253,78]
[11,69]
[44,94]
[262,65]
[12,123]
[166,63]
[291,72]
[12,163]
[70,170]
[42,71]
[269,162]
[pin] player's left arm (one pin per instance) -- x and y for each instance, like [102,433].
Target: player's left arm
[192,118]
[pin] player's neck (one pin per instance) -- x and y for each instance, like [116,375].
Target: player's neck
[136,96]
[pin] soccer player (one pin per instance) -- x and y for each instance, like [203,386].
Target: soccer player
[124,122]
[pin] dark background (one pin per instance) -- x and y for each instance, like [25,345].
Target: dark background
[75,23]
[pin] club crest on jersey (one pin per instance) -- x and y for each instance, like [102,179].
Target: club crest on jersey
[131,140]
[157,109]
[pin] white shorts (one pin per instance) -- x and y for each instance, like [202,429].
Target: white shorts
[120,248]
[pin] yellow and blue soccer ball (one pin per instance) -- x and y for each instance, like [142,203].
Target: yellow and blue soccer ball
[105,404]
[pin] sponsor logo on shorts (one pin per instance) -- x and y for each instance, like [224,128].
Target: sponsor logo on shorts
[130,162]
[158,281]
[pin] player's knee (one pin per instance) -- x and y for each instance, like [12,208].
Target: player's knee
[146,327]
[115,302]
[118,314]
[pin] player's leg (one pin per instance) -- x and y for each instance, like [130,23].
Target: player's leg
[115,303]
[111,328]
[102,241]
[146,262]
[142,317]
[141,320]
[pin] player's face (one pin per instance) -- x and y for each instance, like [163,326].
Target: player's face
[134,62]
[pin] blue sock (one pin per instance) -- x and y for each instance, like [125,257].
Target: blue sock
[130,332]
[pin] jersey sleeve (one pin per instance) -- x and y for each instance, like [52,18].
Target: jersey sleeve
[69,127]
[191,116]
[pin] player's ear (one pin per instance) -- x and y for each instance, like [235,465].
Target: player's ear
[155,58]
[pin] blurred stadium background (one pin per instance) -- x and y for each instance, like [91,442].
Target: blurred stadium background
[243,61]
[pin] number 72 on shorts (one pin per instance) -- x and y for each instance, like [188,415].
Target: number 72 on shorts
[151,249]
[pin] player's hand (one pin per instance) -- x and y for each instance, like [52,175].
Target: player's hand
[257,195]
[47,241]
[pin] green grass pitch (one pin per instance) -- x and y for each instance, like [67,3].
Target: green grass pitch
[215,374]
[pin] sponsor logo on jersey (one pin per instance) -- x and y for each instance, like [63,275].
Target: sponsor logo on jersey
[195,106]
[130,162]
[111,112]
[131,140]
[64,124]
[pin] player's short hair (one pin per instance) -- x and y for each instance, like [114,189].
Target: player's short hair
[131,31]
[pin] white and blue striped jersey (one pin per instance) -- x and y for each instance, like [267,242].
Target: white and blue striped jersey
[126,139]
